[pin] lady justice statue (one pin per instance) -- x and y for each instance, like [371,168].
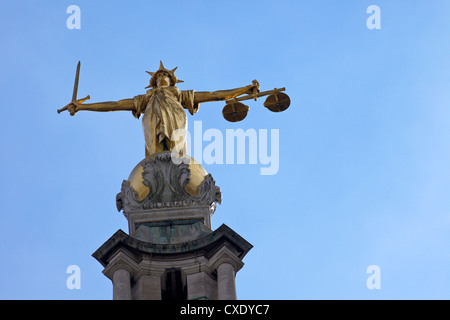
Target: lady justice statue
[171,251]
[162,108]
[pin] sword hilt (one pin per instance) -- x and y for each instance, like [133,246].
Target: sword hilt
[78,101]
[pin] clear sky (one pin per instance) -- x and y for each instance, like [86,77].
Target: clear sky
[364,149]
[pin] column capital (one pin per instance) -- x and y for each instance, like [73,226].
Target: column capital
[121,260]
[226,255]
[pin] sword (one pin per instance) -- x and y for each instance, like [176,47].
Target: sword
[75,91]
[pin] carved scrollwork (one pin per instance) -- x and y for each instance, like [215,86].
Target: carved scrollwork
[167,182]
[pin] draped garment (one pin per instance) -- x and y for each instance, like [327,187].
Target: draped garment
[165,122]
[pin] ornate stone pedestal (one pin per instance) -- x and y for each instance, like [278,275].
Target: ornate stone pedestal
[171,251]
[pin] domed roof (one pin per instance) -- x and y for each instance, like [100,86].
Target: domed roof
[197,176]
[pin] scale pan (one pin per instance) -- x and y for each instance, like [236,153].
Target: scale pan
[235,111]
[277,102]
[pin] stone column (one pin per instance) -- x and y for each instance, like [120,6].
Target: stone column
[226,284]
[146,288]
[201,285]
[121,285]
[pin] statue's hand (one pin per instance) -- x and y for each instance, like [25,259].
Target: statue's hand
[74,107]
[254,87]
[255,83]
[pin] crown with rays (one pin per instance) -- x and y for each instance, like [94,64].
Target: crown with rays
[173,79]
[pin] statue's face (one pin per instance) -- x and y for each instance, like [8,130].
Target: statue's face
[163,79]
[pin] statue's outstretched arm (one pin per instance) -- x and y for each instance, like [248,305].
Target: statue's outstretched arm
[203,96]
[121,105]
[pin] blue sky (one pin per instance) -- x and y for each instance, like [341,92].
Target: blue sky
[364,176]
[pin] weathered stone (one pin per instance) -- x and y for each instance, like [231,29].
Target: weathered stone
[171,251]
[198,260]
[167,182]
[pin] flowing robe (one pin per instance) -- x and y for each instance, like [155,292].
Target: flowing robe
[165,122]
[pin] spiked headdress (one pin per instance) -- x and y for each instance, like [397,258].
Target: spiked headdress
[173,79]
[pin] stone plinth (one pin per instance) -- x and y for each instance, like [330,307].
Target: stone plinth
[207,265]
[166,200]
[171,251]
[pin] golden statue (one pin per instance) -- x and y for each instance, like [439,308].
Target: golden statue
[162,107]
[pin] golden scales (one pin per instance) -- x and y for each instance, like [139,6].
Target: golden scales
[277,101]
